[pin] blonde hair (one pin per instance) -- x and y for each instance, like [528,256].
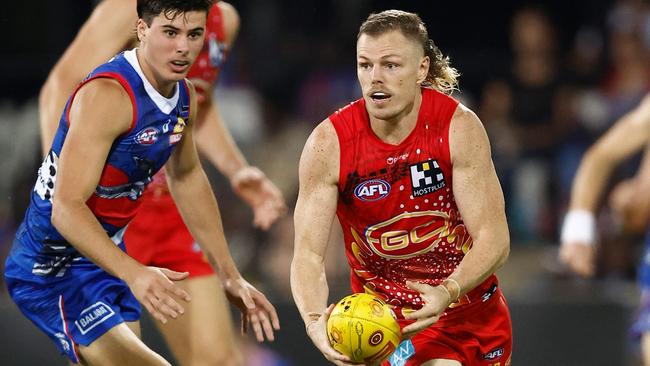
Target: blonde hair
[441,76]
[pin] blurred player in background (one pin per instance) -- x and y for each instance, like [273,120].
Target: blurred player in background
[399,167]
[630,199]
[157,235]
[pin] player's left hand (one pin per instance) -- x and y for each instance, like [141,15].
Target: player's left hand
[257,190]
[256,310]
[436,300]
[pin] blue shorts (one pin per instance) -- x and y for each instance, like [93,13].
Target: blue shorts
[74,309]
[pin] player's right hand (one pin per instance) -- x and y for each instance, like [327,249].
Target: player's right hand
[579,257]
[317,332]
[153,287]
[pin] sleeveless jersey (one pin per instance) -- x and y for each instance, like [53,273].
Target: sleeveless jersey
[133,159]
[396,205]
[208,63]
[206,67]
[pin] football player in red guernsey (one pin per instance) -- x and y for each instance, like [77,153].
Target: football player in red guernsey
[407,170]
[157,235]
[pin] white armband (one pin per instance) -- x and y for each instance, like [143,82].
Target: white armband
[579,226]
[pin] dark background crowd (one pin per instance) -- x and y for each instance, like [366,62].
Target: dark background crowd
[546,79]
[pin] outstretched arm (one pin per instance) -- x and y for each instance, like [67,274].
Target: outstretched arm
[629,135]
[479,199]
[215,142]
[313,217]
[110,25]
[196,202]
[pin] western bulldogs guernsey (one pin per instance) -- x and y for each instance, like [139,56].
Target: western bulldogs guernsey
[134,158]
[396,206]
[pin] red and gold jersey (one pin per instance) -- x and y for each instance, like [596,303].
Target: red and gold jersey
[208,63]
[396,205]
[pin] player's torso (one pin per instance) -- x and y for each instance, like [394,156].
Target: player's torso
[396,205]
[132,161]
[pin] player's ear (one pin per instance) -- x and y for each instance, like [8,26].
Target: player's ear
[141,28]
[423,70]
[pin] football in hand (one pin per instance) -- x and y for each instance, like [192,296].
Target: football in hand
[363,327]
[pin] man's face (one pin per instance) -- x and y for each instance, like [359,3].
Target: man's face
[170,46]
[390,68]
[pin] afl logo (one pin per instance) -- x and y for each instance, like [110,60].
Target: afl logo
[372,190]
[147,136]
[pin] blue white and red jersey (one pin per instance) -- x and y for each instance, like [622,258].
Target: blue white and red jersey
[157,126]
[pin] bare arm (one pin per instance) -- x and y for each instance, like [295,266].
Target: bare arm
[313,217]
[215,142]
[479,199]
[100,113]
[196,202]
[629,135]
[193,196]
[110,25]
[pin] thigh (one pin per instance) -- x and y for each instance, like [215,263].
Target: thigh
[439,362]
[204,334]
[120,347]
[78,309]
[135,328]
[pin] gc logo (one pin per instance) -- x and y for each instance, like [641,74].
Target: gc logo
[408,234]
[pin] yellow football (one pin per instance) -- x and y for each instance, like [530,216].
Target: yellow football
[364,328]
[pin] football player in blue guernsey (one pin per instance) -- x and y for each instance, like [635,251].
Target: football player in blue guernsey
[67,270]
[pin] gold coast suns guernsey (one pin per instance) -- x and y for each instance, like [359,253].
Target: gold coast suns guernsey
[396,204]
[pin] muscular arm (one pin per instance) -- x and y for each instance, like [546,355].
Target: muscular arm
[479,198]
[111,26]
[196,202]
[313,216]
[194,197]
[100,113]
[315,210]
[214,141]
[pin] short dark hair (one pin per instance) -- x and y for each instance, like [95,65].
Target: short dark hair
[441,75]
[149,9]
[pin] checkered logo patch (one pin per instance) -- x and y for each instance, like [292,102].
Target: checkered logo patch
[426,177]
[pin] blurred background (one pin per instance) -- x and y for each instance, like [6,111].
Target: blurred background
[545,78]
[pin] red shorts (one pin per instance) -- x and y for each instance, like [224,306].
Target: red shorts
[478,335]
[157,236]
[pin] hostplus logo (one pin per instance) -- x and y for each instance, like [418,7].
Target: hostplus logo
[426,177]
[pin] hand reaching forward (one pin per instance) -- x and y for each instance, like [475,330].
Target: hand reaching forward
[436,300]
[255,308]
[257,190]
[317,332]
[153,287]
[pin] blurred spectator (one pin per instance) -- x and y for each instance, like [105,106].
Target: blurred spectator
[534,82]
